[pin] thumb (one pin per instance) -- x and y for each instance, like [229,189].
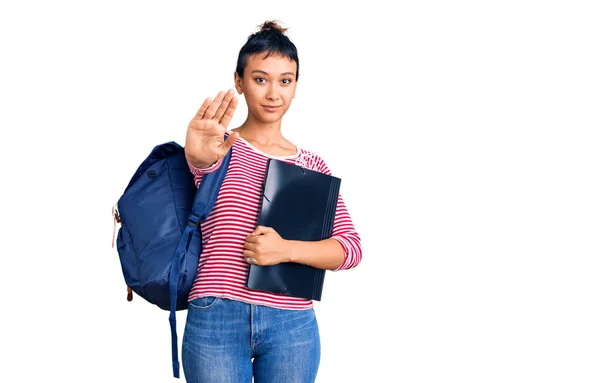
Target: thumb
[231,138]
[229,142]
[260,230]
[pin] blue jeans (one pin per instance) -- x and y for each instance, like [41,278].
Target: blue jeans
[230,341]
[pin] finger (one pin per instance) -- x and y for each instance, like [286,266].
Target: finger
[203,108]
[210,112]
[250,246]
[224,105]
[252,239]
[230,141]
[249,254]
[226,119]
[260,230]
[251,261]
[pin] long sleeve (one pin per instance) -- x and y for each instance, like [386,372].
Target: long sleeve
[222,268]
[198,173]
[345,233]
[343,227]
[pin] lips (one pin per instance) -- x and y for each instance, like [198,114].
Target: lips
[271,108]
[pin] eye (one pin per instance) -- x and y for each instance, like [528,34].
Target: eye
[286,81]
[260,79]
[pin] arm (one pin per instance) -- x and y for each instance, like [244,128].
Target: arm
[327,254]
[342,251]
[199,172]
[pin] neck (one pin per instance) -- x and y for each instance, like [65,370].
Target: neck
[263,133]
[266,137]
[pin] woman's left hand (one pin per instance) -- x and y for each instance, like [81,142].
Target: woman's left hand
[265,247]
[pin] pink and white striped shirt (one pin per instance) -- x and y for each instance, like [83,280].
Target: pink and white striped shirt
[222,268]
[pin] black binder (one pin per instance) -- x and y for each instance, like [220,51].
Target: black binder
[300,205]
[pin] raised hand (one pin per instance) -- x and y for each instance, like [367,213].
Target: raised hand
[204,140]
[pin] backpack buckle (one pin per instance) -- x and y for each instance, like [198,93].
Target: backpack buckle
[193,220]
[116,219]
[115,213]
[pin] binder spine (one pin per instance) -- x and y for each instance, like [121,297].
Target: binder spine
[318,284]
[334,191]
[327,231]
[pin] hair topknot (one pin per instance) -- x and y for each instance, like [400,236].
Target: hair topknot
[270,39]
[272,25]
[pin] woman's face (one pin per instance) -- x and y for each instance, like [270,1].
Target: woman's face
[268,86]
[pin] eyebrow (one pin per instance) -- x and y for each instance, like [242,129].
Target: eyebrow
[263,72]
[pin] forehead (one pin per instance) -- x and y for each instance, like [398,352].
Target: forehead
[274,64]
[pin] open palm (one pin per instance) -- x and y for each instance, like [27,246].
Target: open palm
[204,141]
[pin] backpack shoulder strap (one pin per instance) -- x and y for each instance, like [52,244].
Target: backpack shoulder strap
[205,200]
[206,197]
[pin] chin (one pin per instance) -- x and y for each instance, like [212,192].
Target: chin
[270,117]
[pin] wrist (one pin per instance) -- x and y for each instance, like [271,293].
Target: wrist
[199,163]
[290,254]
[206,165]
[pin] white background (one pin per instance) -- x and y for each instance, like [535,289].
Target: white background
[465,134]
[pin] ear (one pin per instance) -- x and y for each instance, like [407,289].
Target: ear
[238,83]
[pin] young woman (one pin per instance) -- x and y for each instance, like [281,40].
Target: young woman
[233,333]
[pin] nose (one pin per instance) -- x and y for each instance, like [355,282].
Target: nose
[272,93]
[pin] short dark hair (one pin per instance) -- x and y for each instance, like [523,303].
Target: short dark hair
[270,39]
